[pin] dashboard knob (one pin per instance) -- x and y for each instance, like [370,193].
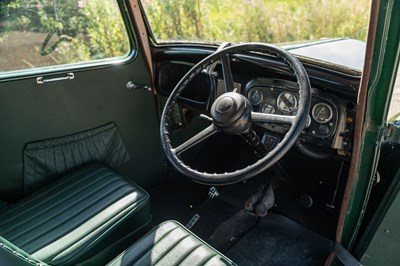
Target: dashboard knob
[323,129]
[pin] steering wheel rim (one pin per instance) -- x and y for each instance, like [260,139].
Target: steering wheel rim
[297,121]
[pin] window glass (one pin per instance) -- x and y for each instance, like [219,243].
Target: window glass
[269,21]
[42,33]
[394,109]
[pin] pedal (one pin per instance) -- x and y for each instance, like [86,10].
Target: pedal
[192,221]
[266,203]
[254,200]
[213,192]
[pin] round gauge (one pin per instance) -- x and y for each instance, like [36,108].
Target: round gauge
[322,113]
[286,102]
[255,96]
[268,109]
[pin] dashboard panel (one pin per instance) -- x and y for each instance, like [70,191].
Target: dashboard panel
[271,89]
[281,97]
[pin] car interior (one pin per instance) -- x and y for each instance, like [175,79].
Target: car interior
[229,154]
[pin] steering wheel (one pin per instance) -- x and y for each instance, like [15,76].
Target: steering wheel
[232,113]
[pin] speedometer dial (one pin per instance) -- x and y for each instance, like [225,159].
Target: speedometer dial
[322,113]
[255,96]
[286,102]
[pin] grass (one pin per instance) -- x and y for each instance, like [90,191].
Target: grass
[272,21]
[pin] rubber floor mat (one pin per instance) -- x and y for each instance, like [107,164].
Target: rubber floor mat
[277,240]
[228,232]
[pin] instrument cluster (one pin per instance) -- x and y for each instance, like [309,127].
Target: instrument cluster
[283,100]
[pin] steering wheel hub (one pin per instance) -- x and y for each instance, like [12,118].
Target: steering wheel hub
[224,105]
[231,113]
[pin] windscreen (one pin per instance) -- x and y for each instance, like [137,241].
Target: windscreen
[276,21]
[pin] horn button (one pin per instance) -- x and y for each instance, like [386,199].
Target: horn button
[231,113]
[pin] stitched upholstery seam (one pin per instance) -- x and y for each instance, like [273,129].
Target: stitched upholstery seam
[84,176]
[190,252]
[71,217]
[171,247]
[55,205]
[215,255]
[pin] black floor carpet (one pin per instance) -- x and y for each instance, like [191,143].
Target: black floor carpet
[176,200]
[223,220]
[276,240]
[246,239]
[212,213]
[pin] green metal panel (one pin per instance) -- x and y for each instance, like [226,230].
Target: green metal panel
[381,82]
[96,96]
[384,229]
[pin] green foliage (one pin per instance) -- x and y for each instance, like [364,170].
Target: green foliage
[107,35]
[270,21]
[77,30]
[176,19]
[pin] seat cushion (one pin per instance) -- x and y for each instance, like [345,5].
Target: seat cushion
[88,212]
[170,244]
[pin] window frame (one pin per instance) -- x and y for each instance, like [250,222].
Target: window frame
[130,56]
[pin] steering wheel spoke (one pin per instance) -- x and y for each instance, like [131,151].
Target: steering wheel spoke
[226,71]
[215,90]
[199,137]
[272,118]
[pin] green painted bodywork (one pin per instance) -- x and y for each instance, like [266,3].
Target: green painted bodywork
[96,96]
[383,73]
[380,242]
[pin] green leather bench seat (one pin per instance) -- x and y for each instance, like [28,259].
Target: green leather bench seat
[170,244]
[93,211]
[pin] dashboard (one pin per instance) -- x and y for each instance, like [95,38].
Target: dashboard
[270,89]
[275,96]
